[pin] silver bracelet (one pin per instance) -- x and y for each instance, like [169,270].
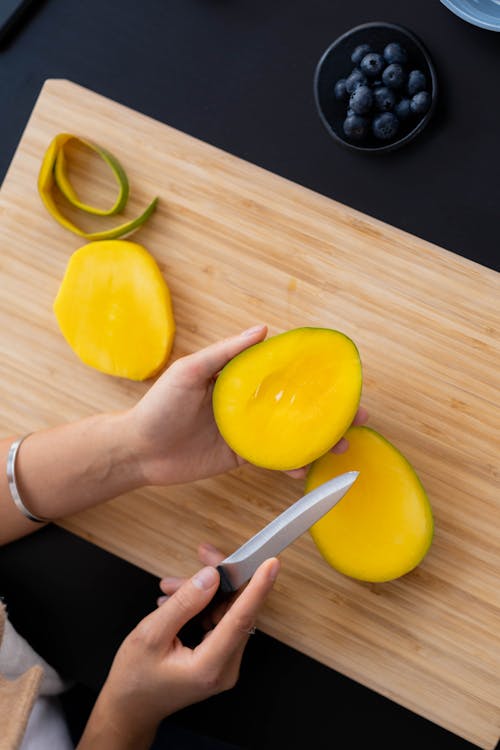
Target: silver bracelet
[11,479]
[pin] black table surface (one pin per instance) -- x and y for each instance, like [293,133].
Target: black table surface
[238,74]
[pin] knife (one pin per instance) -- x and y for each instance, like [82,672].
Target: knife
[239,567]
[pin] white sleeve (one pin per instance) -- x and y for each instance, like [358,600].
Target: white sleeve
[17,656]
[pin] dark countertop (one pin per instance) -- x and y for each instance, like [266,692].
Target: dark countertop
[238,74]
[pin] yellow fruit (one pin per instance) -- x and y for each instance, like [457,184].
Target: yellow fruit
[383,527]
[114,309]
[283,402]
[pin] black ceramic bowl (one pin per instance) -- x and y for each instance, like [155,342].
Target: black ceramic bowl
[336,63]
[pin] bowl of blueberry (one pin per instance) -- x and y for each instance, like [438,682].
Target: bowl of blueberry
[375,87]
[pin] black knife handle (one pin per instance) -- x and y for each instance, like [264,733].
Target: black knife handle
[191,634]
[225,584]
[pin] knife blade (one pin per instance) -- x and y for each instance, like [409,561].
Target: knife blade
[239,567]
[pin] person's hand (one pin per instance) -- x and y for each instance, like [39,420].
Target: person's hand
[208,555]
[154,674]
[175,435]
[177,439]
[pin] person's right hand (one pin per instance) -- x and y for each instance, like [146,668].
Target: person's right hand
[154,674]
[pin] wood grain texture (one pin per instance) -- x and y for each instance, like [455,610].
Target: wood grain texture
[237,246]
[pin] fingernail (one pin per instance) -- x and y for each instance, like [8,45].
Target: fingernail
[274,569]
[161,600]
[252,330]
[205,578]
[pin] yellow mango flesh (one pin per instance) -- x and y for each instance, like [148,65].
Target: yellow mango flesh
[383,527]
[114,309]
[285,401]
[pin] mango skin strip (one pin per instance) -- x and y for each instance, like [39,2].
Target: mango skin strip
[53,173]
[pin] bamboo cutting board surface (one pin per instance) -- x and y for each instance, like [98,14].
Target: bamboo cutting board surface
[238,246]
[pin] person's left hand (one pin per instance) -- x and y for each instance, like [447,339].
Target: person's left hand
[177,438]
[174,434]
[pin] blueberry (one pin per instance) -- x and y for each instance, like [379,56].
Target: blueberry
[360,51]
[361,100]
[384,99]
[372,64]
[355,127]
[350,113]
[402,109]
[394,76]
[385,126]
[377,83]
[420,103]
[395,53]
[416,82]
[340,90]
[355,79]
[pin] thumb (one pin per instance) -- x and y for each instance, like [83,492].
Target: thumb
[205,363]
[183,605]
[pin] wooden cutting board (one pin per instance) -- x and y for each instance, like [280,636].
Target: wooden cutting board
[238,246]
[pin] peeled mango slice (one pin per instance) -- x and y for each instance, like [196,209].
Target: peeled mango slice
[383,527]
[283,402]
[114,309]
[53,173]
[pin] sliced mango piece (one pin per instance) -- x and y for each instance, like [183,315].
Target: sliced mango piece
[114,309]
[283,402]
[383,527]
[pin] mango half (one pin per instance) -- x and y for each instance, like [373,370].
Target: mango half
[383,527]
[114,309]
[282,403]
